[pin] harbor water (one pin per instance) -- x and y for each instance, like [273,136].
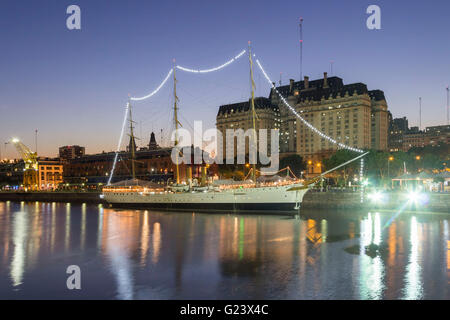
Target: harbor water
[143,254]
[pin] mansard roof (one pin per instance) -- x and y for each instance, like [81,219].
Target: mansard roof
[336,87]
[260,103]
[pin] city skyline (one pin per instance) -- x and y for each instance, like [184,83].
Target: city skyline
[72,85]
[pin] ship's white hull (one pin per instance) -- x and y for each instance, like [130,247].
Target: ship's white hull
[261,199]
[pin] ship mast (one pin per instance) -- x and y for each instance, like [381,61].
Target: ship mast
[132,146]
[252,103]
[175,114]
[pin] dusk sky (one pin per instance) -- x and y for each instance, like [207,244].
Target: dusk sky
[72,85]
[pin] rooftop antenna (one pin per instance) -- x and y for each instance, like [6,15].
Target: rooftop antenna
[448,105]
[331,67]
[35,140]
[282,73]
[301,48]
[420,113]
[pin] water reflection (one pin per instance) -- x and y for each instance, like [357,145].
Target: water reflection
[128,254]
[413,285]
[372,269]
[20,233]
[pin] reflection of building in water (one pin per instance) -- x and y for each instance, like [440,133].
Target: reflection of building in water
[5,230]
[312,233]
[20,239]
[413,282]
[446,236]
[119,242]
[67,232]
[238,248]
[156,242]
[371,269]
[125,236]
[246,243]
[145,234]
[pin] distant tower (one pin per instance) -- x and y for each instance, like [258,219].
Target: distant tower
[152,144]
[301,48]
[420,113]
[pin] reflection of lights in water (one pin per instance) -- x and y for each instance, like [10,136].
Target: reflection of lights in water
[324,230]
[117,237]
[53,228]
[122,271]
[83,226]
[446,236]
[371,269]
[235,242]
[392,244]
[156,242]
[324,250]
[20,234]
[100,227]
[351,230]
[144,238]
[377,231]
[67,231]
[303,248]
[413,285]
[312,234]
[241,239]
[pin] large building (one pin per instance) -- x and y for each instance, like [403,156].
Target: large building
[239,116]
[402,137]
[71,152]
[50,174]
[350,114]
[431,136]
[152,163]
[398,127]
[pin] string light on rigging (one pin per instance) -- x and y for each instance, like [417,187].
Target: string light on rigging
[310,126]
[156,90]
[118,144]
[212,69]
[172,70]
[188,70]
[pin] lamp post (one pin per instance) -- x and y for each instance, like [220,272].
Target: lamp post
[391,158]
[418,164]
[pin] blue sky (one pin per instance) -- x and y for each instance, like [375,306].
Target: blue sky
[72,85]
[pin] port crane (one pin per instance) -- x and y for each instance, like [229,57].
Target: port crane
[30,174]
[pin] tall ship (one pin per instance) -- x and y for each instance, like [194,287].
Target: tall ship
[272,196]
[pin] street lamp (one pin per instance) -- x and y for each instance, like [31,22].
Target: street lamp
[391,158]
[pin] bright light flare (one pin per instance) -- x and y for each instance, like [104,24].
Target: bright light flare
[417,197]
[15,140]
[377,196]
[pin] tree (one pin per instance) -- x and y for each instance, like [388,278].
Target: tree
[294,162]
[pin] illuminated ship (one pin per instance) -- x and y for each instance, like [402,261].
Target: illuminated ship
[279,196]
